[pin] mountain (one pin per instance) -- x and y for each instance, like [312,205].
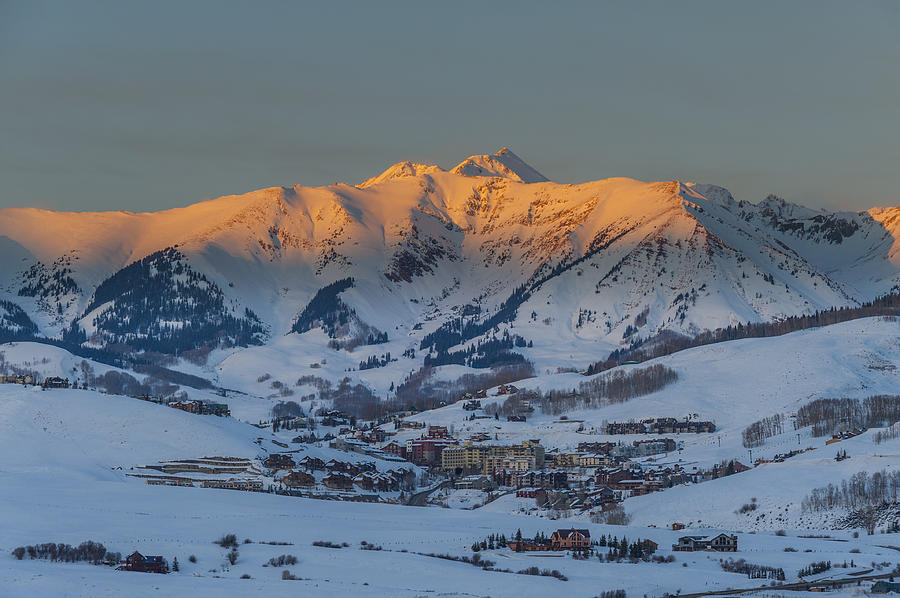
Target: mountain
[484,264]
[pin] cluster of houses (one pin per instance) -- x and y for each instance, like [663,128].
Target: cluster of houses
[27,379]
[661,425]
[341,475]
[425,450]
[844,435]
[202,408]
[580,540]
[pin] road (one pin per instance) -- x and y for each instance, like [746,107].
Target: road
[418,499]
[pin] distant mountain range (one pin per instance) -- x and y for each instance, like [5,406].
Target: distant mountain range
[476,265]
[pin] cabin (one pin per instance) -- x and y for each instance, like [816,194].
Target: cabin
[571,539]
[144,564]
[883,587]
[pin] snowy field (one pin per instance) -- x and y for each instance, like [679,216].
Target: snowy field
[59,483]
[67,454]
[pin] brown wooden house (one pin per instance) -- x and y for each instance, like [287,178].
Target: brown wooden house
[298,479]
[571,539]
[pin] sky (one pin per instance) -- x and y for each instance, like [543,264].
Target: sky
[144,106]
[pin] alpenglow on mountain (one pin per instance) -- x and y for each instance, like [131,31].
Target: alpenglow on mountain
[477,265]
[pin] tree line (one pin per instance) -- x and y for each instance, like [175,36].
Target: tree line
[90,551]
[827,416]
[860,491]
[756,433]
[614,387]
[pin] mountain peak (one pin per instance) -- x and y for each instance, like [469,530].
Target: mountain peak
[401,170]
[504,163]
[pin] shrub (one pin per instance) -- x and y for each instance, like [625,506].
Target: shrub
[232,556]
[227,541]
[192,559]
[281,561]
[614,516]
[328,544]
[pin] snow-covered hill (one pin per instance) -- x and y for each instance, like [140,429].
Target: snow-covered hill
[434,262]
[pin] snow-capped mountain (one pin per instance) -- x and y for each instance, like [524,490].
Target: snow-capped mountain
[437,263]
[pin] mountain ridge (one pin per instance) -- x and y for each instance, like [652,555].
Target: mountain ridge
[493,252]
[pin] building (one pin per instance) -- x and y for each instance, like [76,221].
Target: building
[428,451]
[551,480]
[571,539]
[520,463]
[720,543]
[471,457]
[201,408]
[233,484]
[220,409]
[279,461]
[144,564]
[474,482]
[312,463]
[55,382]
[883,587]
[527,546]
[338,481]
[593,460]
[437,432]
[395,448]
[298,479]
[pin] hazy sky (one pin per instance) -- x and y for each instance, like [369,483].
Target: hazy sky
[150,105]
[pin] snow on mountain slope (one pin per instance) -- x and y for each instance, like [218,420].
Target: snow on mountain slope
[504,164]
[79,433]
[779,490]
[443,260]
[732,384]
